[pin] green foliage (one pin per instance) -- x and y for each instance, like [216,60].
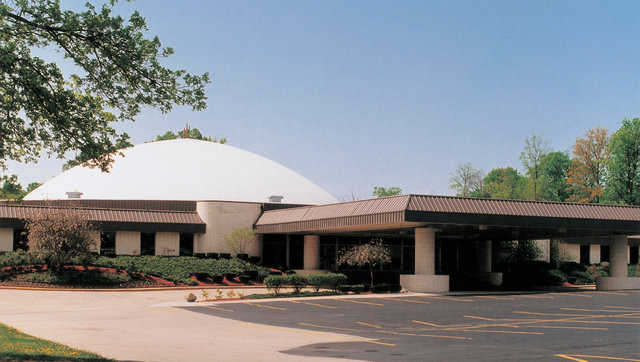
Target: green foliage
[379,191]
[330,281]
[531,157]
[623,165]
[240,239]
[118,71]
[554,277]
[189,132]
[296,281]
[581,277]
[522,251]
[554,169]
[275,283]
[503,183]
[78,278]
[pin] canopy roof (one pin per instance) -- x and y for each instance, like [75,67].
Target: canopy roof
[487,218]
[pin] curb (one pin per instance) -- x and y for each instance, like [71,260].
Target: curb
[124,290]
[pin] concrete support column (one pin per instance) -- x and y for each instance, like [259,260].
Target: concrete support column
[618,249]
[425,239]
[618,267]
[484,256]
[6,239]
[311,252]
[424,280]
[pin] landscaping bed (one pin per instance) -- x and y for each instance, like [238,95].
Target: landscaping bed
[20,269]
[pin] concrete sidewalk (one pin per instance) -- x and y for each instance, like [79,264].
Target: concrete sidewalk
[125,326]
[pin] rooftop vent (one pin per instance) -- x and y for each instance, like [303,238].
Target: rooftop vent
[74,194]
[275,198]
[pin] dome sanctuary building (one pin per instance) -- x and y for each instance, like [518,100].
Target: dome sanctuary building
[183,196]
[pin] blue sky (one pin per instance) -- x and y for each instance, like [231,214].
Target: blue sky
[357,94]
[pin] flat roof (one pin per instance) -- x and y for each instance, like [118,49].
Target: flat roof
[542,218]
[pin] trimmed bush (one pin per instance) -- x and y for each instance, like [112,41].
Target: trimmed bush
[579,277]
[275,283]
[296,281]
[317,281]
[335,280]
[554,277]
[330,281]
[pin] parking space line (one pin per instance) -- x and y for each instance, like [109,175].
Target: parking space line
[570,327]
[313,304]
[369,325]
[427,324]
[381,343]
[498,331]
[570,358]
[361,302]
[468,300]
[481,318]
[427,335]
[599,310]
[408,301]
[576,357]
[494,297]
[217,308]
[266,306]
[328,327]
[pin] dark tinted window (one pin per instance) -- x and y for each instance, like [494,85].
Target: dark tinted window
[604,253]
[148,244]
[20,240]
[108,243]
[186,244]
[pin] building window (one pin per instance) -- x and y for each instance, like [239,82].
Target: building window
[108,243]
[584,254]
[20,240]
[633,250]
[186,244]
[148,244]
[604,253]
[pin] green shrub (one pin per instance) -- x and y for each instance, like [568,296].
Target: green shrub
[554,276]
[317,281]
[275,283]
[335,280]
[296,281]
[569,267]
[579,277]
[634,270]
[91,278]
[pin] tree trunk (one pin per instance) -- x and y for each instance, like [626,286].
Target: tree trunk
[371,272]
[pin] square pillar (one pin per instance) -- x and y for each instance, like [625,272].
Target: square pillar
[424,280]
[485,266]
[619,279]
[311,252]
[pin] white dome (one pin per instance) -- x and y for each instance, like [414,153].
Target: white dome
[186,169]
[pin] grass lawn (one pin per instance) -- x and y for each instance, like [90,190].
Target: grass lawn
[15,345]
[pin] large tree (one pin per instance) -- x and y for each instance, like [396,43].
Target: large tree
[535,148]
[466,180]
[553,172]
[379,191]
[189,132]
[502,183]
[623,166]
[587,171]
[116,71]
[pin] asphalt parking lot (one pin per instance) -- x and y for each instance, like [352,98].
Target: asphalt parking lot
[579,326]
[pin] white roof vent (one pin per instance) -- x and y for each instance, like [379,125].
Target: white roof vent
[74,194]
[275,198]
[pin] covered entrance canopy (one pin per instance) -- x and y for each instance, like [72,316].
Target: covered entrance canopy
[456,218]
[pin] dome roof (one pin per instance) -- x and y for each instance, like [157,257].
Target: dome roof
[186,169]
